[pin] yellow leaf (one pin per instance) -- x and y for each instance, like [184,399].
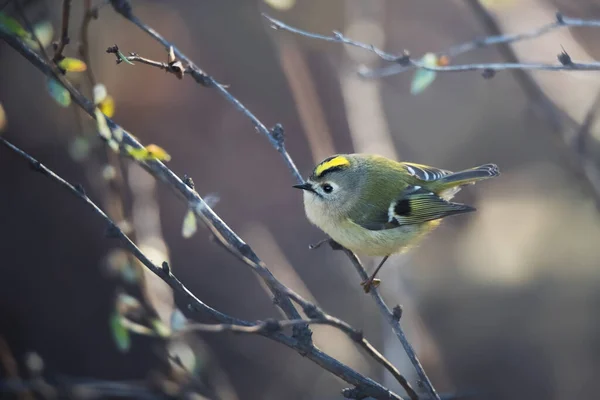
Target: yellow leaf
[101,124]
[189,225]
[150,152]
[72,64]
[107,106]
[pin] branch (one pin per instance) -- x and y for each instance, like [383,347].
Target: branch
[393,318]
[268,329]
[405,61]
[275,134]
[64,37]
[123,8]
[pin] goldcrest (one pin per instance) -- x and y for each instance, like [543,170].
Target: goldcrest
[378,207]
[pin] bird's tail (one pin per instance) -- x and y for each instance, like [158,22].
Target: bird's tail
[467,177]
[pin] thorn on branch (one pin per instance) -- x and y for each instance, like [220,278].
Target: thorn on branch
[488,73]
[189,181]
[404,59]
[564,58]
[166,268]
[397,314]
[278,134]
[302,335]
[560,18]
[80,189]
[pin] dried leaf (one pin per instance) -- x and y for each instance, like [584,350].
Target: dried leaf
[119,333]
[190,225]
[58,92]
[70,64]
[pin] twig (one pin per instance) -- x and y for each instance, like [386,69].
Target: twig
[64,37]
[393,318]
[275,135]
[227,237]
[125,10]
[310,351]
[405,59]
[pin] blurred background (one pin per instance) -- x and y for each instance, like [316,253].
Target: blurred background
[501,303]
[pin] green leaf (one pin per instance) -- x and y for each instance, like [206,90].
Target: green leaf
[120,333]
[190,226]
[13,26]
[423,77]
[58,92]
[123,58]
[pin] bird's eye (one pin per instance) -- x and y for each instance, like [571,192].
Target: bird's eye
[327,188]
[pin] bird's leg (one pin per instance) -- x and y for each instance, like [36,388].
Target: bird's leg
[372,282]
[332,243]
[318,244]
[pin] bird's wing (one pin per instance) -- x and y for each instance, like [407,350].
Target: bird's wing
[424,172]
[415,205]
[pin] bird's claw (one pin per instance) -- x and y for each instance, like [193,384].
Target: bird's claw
[370,283]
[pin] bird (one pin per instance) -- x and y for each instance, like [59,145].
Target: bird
[376,206]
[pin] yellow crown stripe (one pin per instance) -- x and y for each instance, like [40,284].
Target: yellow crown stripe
[338,161]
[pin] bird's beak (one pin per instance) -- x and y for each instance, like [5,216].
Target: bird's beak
[305,186]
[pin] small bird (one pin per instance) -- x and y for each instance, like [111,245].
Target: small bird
[375,206]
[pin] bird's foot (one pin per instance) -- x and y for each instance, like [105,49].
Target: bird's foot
[370,283]
[318,244]
[332,243]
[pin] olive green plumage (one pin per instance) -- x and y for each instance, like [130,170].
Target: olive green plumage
[376,206]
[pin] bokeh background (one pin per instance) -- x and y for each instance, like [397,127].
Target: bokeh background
[501,303]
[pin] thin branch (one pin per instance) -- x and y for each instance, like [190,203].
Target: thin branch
[125,10]
[393,318]
[64,37]
[232,323]
[275,134]
[407,62]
